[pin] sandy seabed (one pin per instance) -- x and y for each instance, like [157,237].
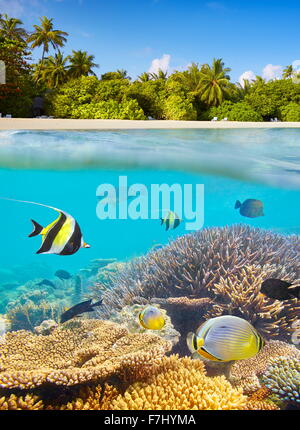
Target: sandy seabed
[115,124]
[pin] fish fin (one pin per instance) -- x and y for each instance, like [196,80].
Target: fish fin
[37,229]
[176,223]
[97,303]
[167,224]
[238,204]
[295,290]
[162,221]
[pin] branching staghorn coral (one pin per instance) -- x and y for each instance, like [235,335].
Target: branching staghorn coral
[183,385]
[248,373]
[178,383]
[13,402]
[225,266]
[282,377]
[78,352]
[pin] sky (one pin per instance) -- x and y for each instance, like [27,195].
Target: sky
[257,37]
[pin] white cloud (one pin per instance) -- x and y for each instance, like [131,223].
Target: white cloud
[248,76]
[271,72]
[296,66]
[160,64]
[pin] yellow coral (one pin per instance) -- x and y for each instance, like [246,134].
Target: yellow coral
[78,353]
[183,385]
[91,398]
[29,402]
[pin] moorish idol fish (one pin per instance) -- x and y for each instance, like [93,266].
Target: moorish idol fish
[78,309]
[251,208]
[225,338]
[171,220]
[62,237]
[280,290]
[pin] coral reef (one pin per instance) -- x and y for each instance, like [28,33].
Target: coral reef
[176,384]
[78,352]
[247,373]
[225,266]
[46,327]
[30,315]
[13,402]
[90,398]
[183,385]
[128,317]
[282,377]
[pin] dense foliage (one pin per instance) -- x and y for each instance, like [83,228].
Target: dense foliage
[16,95]
[72,89]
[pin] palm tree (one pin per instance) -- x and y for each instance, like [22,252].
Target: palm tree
[45,36]
[144,77]
[288,72]
[241,90]
[123,74]
[189,78]
[159,75]
[81,64]
[54,71]
[214,82]
[10,28]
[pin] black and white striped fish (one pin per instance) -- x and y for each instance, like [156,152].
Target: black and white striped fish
[62,237]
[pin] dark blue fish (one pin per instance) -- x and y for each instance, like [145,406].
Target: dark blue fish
[280,290]
[62,274]
[48,283]
[251,208]
[78,309]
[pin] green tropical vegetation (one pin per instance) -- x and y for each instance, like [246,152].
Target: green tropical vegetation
[71,88]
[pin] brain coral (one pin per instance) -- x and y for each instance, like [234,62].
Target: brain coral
[282,377]
[78,352]
[214,272]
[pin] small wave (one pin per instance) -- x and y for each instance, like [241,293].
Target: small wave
[267,156]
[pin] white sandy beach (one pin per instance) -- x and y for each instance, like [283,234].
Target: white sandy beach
[114,124]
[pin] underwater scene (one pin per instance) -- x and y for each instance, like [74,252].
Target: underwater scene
[150,270]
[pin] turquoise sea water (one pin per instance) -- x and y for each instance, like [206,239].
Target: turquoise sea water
[64,168]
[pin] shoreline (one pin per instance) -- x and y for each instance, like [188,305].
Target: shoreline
[115,124]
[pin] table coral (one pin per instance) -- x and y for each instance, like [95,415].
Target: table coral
[282,377]
[78,352]
[225,266]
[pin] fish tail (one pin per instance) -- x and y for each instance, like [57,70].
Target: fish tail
[37,229]
[238,204]
[295,290]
